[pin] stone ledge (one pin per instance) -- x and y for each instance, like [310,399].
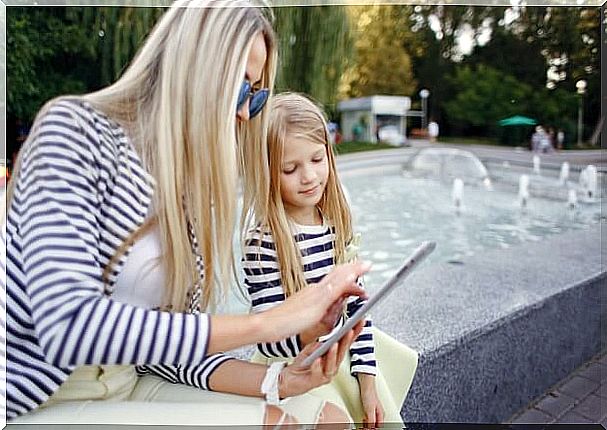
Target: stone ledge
[497,331]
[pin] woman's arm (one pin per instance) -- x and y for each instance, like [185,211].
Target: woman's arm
[239,377]
[303,310]
[57,236]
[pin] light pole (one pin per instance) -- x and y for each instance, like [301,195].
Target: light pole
[424,94]
[581,89]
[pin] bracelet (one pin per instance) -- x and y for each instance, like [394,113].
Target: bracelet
[269,386]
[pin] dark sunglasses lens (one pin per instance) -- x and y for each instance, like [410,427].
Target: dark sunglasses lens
[244,93]
[258,101]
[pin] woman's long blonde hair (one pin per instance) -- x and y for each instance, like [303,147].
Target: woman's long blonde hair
[177,101]
[295,115]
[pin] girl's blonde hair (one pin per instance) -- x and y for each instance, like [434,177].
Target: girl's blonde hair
[294,115]
[177,101]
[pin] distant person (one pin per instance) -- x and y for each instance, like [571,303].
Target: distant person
[433,131]
[357,132]
[546,142]
[536,139]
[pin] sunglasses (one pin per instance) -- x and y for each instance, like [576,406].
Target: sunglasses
[258,98]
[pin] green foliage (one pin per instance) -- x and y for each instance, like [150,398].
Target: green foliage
[509,54]
[47,54]
[486,95]
[529,65]
[314,46]
[117,33]
[68,50]
[349,147]
[381,65]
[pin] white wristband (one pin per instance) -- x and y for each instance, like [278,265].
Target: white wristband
[269,386]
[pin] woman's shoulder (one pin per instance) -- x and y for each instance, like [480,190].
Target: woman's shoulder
[76,119]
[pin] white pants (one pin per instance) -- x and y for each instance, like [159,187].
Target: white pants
[115,395]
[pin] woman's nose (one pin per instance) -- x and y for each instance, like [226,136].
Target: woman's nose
[243,113]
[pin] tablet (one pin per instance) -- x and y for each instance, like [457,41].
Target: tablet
[418,255]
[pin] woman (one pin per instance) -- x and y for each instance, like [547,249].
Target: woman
[152,160]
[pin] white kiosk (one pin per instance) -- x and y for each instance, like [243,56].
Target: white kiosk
[365,115]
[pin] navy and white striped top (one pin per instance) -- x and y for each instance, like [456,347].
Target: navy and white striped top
[81,190]
[262,280]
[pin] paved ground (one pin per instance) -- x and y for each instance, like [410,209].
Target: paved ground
[581,398]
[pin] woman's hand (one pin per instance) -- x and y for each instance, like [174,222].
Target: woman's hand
[373,410]
[325,325]
[296,379]
[314,305]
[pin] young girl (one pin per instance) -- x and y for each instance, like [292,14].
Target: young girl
[122,200]
[307,230]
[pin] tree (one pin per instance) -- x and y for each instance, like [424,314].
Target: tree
[509,54]
[315,43]
[117,33]
[381,65]
[435,51]
[68,50]
[486,95]
[48,53]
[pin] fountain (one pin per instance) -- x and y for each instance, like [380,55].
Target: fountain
[448,164]
[523,191]
[572,199]
[564,175]
[536,165]
[588,182]
[458,194]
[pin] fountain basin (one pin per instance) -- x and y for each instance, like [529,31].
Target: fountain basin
[496,328]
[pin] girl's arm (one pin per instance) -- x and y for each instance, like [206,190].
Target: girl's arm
[264,287]
[362,351]
[372,408]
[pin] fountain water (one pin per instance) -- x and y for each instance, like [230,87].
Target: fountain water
[536,164]
[588,182]
[448,164]
[458,194]
[523,191]
[572,199]
[564,175]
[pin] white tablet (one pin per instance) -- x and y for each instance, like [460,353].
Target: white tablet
[418,255]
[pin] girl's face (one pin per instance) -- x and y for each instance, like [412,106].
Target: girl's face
[303,178]
[254,71]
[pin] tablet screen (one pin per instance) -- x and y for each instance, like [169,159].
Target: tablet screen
[403,271]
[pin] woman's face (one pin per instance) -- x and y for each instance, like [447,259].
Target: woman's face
[254,71]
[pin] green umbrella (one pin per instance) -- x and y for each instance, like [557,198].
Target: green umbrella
[517,120]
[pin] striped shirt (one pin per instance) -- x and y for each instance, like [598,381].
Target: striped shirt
[262,281]
[81,191]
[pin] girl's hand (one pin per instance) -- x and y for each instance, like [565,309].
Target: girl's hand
[316,304]
[296,379]
[373,410]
